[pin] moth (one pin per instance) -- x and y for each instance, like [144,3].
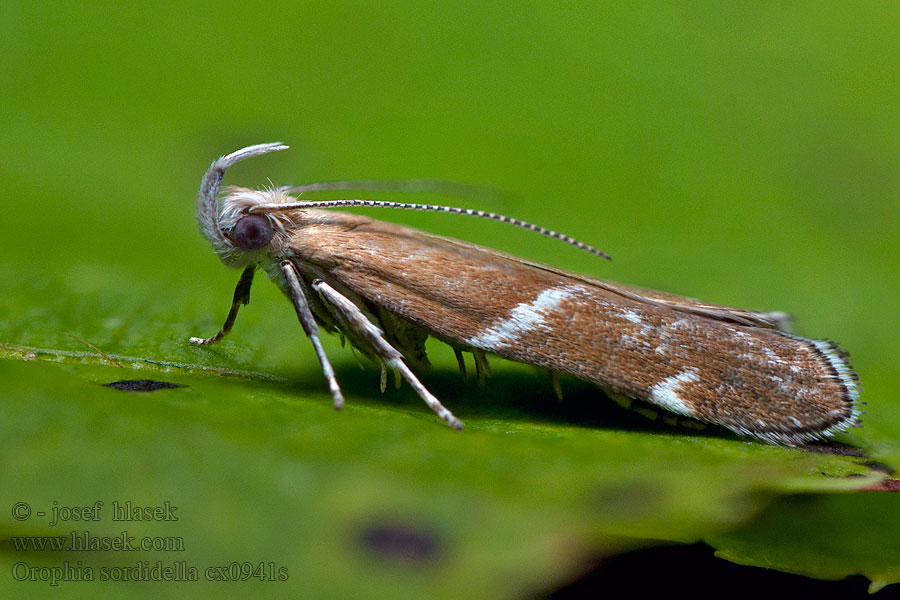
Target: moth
[387,288]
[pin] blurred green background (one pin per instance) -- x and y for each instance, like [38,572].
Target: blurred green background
[742,153]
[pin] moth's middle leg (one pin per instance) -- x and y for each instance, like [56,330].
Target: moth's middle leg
[354,318]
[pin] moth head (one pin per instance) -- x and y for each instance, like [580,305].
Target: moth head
[232,232]
[252,238]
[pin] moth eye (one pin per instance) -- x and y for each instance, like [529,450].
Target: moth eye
[252,232]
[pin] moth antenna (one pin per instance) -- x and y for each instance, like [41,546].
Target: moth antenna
[269,208]
[207,211]
[412,186]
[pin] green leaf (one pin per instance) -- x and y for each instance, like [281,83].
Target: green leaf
[740,154]
[827,537]
[248,462]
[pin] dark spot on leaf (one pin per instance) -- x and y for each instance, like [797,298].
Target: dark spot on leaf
[626,500]
[400,542]
[142,385]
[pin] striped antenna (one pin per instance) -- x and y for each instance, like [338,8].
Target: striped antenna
[470,191]
[260,209]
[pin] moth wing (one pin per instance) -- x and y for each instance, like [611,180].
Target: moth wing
[430,279]
[674,352]
[768,320]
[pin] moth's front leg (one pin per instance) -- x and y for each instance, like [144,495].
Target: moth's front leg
[310,328]
[241,297]
[354,318]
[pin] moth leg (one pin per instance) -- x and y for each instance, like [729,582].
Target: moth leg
[461,361]
[557,388]
[311,329]
[355,319]
[241,296]
[482,358]
[482,368]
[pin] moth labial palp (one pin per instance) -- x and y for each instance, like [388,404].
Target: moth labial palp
[387,288]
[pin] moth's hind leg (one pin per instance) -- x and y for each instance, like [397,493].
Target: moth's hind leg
[354,318]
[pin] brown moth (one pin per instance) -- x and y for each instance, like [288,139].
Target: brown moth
[387,288]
